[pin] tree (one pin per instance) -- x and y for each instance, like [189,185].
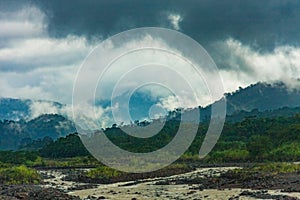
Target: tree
[258,146]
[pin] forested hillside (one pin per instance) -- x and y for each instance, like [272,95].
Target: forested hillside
[15,134]
[253,139]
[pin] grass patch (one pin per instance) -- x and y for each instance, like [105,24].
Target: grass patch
[19,175]
[103,172]
[267,169]
[74,162]
[277,168]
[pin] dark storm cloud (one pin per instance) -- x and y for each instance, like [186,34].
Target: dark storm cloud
[263,24]
[43,42]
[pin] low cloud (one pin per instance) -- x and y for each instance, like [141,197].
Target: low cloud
[175,20]
[38,108]
[83,114]
[241,65]
[34,65]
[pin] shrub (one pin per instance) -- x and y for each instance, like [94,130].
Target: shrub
[286,152]
[103,172]
[19,175]
[230,155]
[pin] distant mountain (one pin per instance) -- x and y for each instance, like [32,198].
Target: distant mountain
[260,97]
[139,105]
[281,112]
[17,133]
[257,100]
[16,109]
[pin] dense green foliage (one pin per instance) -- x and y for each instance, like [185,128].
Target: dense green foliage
[259,139]
[277,168]
[27,144]
[19,175]
[69,146]
[269,168]
[80,161]
[15,135]
[143,145]
[103,172]
[253,139]
[29,158]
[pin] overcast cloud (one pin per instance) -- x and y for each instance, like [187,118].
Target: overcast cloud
[43,43]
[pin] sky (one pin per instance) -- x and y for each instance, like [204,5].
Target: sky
[43,43]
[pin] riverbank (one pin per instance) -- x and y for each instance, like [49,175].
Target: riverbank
[182,187]
[281,181]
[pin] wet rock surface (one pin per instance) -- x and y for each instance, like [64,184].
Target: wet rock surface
[263,194]
[215,179]
[209,183]
[32,192]
[289,182]
[80,178]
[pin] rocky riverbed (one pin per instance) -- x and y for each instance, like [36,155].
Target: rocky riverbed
[203,183]
[184,186]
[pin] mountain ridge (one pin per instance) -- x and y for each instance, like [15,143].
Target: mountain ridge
[257,100]
[262,96]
